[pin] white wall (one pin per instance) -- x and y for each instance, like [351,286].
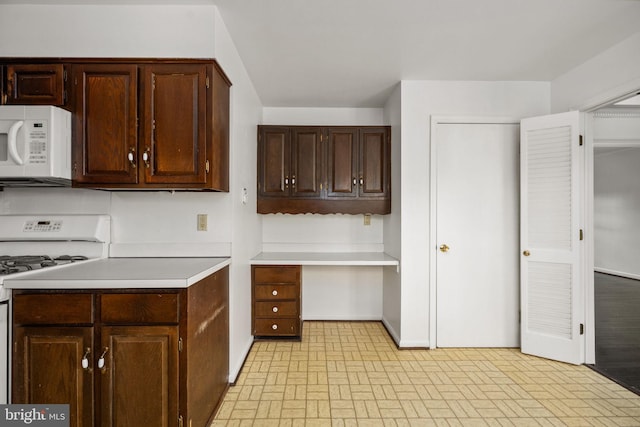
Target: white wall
[146,223]
[391,310]
[602,78]
[359,289]
[617,192]
[107,31]
[246,225]
[420,100]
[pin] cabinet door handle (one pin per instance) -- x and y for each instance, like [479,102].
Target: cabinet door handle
[274,292]
[274,326]
[146,156]
[101,360]
[293,181]
[131,157]
[355,182]
[274,309]
[361,181]
[286,182]
[85,359]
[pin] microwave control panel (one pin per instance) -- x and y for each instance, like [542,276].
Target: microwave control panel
[36,138]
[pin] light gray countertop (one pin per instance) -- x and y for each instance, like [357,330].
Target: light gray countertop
[121,273]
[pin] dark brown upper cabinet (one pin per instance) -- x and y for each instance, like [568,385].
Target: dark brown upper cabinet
[358,163]
[309,169]
[105,133]
[35,84]
[174,126]
[290,162]
[138,124]
[151,125]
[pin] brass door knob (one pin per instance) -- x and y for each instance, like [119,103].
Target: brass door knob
[526,253]
[444,248]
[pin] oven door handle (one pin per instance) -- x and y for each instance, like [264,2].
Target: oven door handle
[13,142]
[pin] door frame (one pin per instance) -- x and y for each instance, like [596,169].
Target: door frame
[436,120]
[589,108]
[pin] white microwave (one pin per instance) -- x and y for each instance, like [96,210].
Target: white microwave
[35,146]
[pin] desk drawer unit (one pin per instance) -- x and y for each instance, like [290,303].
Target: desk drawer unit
[276,300]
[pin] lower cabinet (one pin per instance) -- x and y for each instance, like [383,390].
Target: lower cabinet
[124,358]
[276,298]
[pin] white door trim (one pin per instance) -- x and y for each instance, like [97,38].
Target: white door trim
[589,107]
[435,121]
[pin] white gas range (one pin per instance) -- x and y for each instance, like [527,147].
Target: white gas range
[31,243]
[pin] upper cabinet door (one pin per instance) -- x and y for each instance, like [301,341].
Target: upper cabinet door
[373,170]
[36,84]
[342,162]
[306,162]
[105,123]
[175,126]
[274,153]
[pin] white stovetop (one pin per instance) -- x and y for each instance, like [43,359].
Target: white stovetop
[119,273]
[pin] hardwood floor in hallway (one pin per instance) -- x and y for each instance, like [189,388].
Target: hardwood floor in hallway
[617,315]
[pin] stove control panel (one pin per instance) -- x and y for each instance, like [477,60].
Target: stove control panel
[42,226]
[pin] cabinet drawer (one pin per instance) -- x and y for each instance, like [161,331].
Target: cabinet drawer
[282,274]
[277,309]
[277,327]
[276,292]
[52,309]
[139,308]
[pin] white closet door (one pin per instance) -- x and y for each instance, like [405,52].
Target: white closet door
[477,275]
[552,289]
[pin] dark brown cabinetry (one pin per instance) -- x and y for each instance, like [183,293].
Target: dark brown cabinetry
[276,301]
[175,136]
[105,104]
[140,124]
[290,162]
[35,84]
[140,357]
[324,170]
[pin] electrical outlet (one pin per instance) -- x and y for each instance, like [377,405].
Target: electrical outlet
[202,222]
[367,219]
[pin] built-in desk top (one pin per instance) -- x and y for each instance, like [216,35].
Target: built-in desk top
[325,258]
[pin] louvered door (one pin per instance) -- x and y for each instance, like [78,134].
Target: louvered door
[552,288]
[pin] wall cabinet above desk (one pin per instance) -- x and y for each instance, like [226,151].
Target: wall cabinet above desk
[310,169]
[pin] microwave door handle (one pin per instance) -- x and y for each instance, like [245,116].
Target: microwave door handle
[13,142]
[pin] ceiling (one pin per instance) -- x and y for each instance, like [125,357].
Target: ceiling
[352,53]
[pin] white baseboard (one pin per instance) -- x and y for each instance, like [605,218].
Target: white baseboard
[342,318]
[617,273]
[235,371]
[392,332]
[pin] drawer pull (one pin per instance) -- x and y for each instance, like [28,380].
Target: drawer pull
[274,326]
[275,309]
[274,292]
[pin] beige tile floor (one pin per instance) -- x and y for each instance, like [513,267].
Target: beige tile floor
[351,374]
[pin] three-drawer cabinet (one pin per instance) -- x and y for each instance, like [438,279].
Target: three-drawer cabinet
[276,300]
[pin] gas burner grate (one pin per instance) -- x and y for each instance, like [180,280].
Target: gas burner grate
[10,264]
